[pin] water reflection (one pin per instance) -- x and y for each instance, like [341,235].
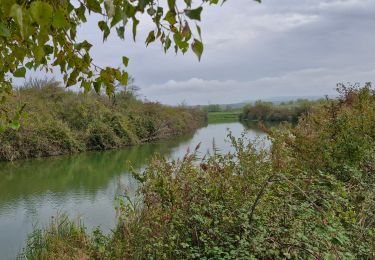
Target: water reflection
[85,185]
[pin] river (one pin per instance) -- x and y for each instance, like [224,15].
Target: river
[84,185]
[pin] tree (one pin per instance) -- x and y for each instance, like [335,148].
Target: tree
[42,34]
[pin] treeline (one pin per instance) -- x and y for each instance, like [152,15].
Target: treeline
[285,111]
[309,196]
[57,121]
[217,108]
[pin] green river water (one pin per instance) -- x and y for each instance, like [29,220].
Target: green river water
[84,185]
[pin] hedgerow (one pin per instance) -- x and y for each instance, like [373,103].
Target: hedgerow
[56,121]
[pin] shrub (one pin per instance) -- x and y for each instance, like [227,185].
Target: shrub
[37,139]
[267,111]
[101,136]
[57,121]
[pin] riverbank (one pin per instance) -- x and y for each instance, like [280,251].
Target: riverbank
[224,116]
[57,121]
[310,196]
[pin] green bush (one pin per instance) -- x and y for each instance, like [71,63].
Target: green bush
[122,129]
[38,139]
[101,136]
[57,121]
[267,111]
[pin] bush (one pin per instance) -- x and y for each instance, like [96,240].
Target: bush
[38,139]
[267,111]
[101,136]
[60,122]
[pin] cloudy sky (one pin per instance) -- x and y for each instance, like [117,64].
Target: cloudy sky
[252,51]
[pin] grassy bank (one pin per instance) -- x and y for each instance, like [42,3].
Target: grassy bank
[57,121]
[311,196]
[225,116]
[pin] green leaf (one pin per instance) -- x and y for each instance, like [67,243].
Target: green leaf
[97,85]
[125,61]
[80,12]
[134,30]
[171,4]
[170,17]
[124,79]
[39,53]
[197,47]
[186,32]
[121,32]
[4,31]
[119,15]
[183,45]
[194,14]
[188,2]
[142,4]
[59,19]
[20,73]
[150,38]
[41,12]
[130,10]
[16,12]
[94,5]
[199,32]
[73,78]
[48,49]
[159,13]
[104,28]
[29,65]
[83,45]
[167,44]
[86,86]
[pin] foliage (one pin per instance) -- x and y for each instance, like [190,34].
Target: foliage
[42,34]
[60,122]
[309,196]
[212,108]
[218,108]
[219,117]
[267,111]
[60,231]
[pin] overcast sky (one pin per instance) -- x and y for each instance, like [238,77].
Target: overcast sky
[252,51]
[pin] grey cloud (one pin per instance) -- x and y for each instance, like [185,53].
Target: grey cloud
[269,49]
[296,83]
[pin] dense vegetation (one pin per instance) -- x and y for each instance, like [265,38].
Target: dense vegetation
[216,108]
[268,111]
[220,113]
[219,117]
[311,195]
[61,122]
